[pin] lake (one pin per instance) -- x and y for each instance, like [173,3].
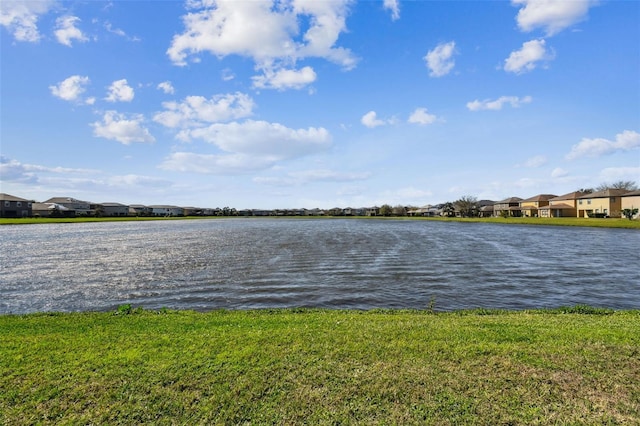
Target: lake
[327,263]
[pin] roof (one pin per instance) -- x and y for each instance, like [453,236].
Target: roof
[540,197]
[63,200]
[510,200]
[560,206]
[570,196]
[606,193]
[113,205]
[7,197]
[632,194]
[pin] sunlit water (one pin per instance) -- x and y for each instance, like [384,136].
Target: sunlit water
[358,264]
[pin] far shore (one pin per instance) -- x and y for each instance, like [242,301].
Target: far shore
[564,221]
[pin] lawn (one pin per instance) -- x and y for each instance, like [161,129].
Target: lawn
[568,366]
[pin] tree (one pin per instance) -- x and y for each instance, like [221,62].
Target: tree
[629,213]
[399,211]
[467,206]
[448,209]
[627,185]
[386,210]
[585,190]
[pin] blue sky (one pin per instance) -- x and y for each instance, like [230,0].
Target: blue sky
[291,104]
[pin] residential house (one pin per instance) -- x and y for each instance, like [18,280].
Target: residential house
[164,210]
[139,210]
[531,206]
[114,209]
[81,208]
[51,210]
[562,206]
[508,207]
[631,200]
[11,206]
[607,203]
[373,211]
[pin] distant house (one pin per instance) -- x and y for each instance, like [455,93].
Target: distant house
[51,210]
[631,200]
[607,203]
[562,206]
[139,210]
[114,209]
[511,207]
[11,206]
[81,208]
[531,206]
[163,210]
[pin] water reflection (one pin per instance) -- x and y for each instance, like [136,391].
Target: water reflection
[359,264]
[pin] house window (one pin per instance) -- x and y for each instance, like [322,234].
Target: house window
[613,199]
[588,201]
[7,203]
[19,203]
[580,202]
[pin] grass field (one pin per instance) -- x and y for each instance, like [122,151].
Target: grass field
[569,366]
[566,221]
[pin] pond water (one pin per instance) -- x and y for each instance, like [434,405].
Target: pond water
[332,263]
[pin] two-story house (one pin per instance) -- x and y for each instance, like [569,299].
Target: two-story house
[11,206]
[530,207]
[81,208]
[562,206]
[607,203]
[508,207]
[631,200]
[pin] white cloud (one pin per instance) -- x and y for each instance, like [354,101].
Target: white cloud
[268,32]
[284,79]
[551,15]
[527,57]
[559,172]
[371,120]
[195,111]
[612,174]
[14,171]
[625,141]
[496,105]
[71,88]
[21,17]
[120,91]
[66,30]
[534,162]
[439,60]
[310,176]
[166,87]
[116,126]
[248,146]
[394,7]
[421,116]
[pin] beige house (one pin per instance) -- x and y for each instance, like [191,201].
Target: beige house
[562,206]
[511,207]
[531,206]
[631,200]
[607,203]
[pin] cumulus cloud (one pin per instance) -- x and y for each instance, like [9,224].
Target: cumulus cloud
[284,79]
[120,91]
[394,7]
[166,87]
[527,58]
[625,141]
[195,111]
[267,31]
[71,88]
[119,127]
[12,170]
[66,30]
[371,120]
[421,116]
[534,162]
[248,146]
[559,172]
[496,104]
[551,15]
[21,17]
[612,174]
[440,60]
[310,176]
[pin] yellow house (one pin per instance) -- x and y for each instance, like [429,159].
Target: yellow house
[562,206]
[530,207]
[607,203]
[631,200]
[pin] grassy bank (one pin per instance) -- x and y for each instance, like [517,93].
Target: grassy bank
[564,221]
[321,367]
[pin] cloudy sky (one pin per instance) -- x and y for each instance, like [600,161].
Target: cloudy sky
[266,104]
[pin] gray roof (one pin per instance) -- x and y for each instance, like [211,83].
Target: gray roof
[606,193]
[7,197]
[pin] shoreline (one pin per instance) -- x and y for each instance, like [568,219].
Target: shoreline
[619,223]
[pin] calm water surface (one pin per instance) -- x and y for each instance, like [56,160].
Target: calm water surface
[358,264]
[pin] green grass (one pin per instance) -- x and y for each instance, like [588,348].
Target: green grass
[576,365]
[561,221]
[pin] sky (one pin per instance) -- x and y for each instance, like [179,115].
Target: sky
[316,104]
